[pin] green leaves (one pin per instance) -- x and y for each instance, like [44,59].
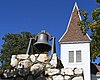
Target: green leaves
[94,26]
[83,24]
[98,1]
[96,14]
[14,44]
[95,51]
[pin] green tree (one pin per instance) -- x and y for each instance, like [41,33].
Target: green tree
[14,44]
[93,25]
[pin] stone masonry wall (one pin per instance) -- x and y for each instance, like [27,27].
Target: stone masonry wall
[41,67]
[64,74]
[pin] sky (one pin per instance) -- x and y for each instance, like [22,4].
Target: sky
[35,15]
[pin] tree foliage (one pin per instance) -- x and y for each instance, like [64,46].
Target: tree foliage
[93,25]
[98,1]
[14,44]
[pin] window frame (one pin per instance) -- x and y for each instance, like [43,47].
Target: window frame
[78,56]
[71,58]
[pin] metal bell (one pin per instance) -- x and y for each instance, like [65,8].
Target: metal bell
[42,41]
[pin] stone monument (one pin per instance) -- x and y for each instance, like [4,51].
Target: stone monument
[41,66]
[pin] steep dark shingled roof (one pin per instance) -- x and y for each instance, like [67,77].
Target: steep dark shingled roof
[74,33]
[95,69]
[98,67]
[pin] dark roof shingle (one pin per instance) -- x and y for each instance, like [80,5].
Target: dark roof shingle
[95,69]
[74,32]
[98,67]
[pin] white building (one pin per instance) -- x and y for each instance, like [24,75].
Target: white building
[75,47]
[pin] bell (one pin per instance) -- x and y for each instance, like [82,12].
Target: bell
[42,42]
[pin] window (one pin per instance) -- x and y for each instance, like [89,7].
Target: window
[71,56]
[75,56]
[78,56]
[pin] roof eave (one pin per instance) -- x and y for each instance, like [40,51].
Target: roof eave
[74,42]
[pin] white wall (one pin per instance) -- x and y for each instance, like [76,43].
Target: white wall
[85,64]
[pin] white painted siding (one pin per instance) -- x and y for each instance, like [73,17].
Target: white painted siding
[85,52]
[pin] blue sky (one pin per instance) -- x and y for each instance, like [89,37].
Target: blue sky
[34,15]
